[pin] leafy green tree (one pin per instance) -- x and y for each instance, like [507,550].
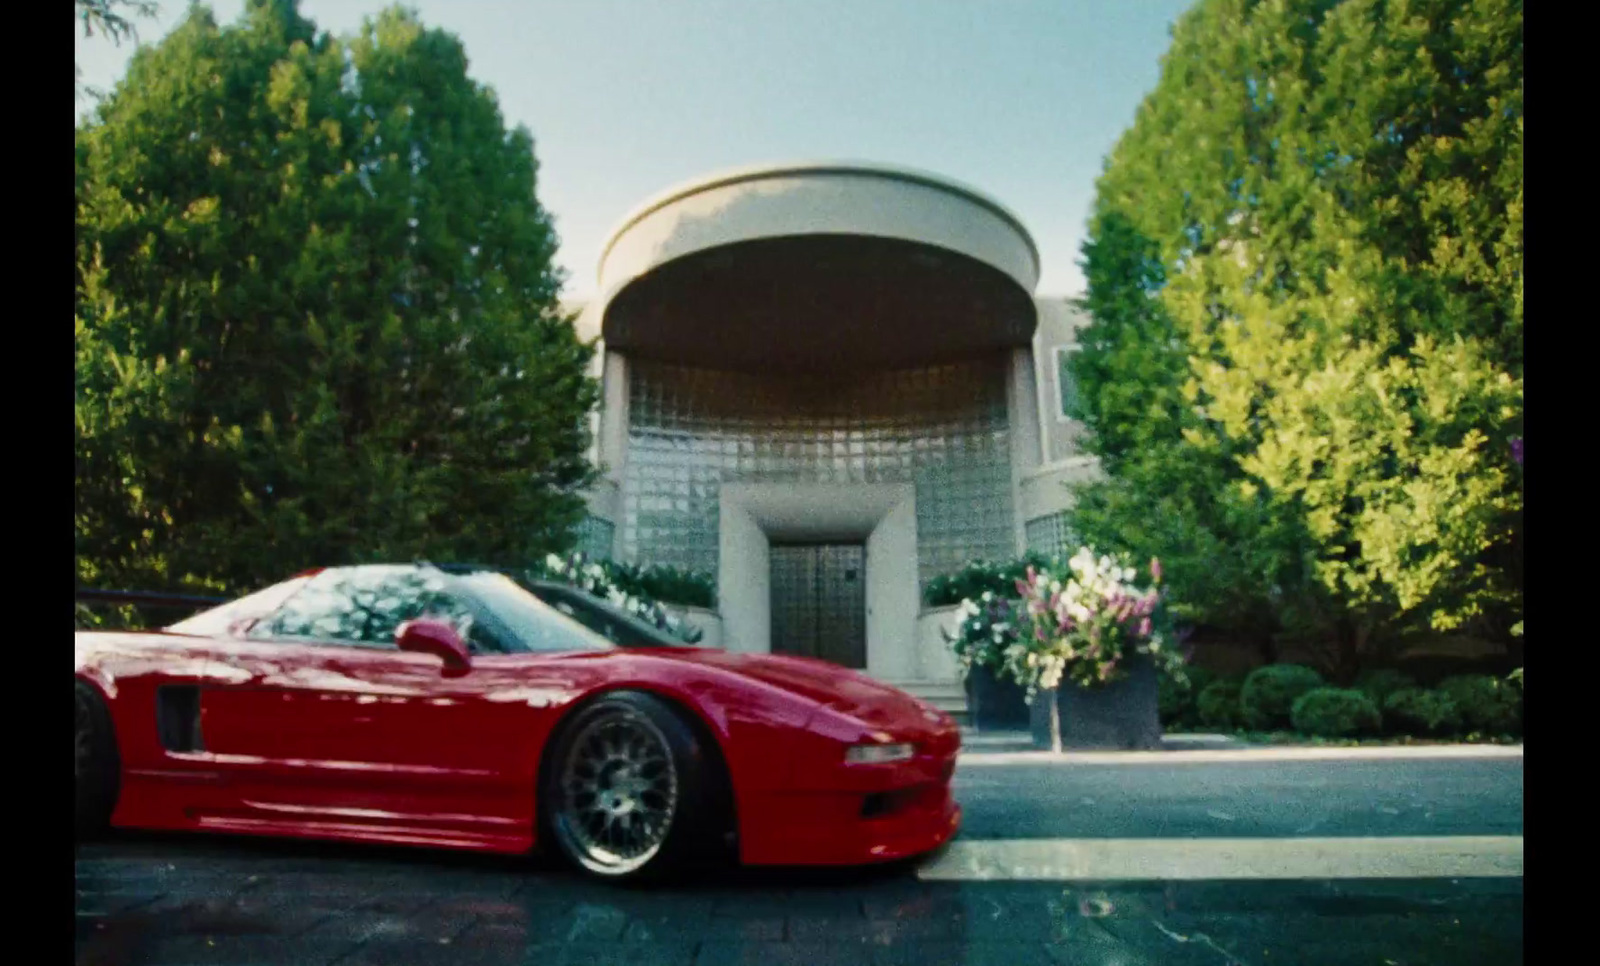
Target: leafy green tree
[1230,562]
[1329,197]
[316,314]
[1131,362]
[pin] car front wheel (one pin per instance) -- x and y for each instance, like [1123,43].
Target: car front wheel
[626,786]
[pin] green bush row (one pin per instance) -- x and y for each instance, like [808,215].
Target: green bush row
[970,582]
[669,585]
[1284,697]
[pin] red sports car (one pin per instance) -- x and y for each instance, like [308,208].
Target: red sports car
[408,704]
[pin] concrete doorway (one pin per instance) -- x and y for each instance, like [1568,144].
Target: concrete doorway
[819,601]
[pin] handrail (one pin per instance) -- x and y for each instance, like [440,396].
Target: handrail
[144,597]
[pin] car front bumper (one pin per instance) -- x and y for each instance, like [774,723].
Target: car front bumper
[870,816]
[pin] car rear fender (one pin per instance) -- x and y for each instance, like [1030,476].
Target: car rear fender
[97,679]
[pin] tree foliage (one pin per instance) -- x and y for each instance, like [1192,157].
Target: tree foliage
[316,315]
[1310,244]
[104,17]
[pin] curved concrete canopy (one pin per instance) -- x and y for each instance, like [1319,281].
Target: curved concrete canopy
[826,264]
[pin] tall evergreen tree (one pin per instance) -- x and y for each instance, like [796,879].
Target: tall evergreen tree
[316,312]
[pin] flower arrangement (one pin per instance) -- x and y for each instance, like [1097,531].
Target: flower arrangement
[1086,623]
[595,577]
[983,630]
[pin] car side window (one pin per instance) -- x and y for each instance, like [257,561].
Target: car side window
[361,606]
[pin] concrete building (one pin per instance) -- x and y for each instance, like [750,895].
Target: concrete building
[827,384]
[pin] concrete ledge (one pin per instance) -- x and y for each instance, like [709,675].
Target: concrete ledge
[993,755]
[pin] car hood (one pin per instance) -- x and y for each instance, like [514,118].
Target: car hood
[867,700]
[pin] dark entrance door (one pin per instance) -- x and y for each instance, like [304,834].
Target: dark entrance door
[819,602]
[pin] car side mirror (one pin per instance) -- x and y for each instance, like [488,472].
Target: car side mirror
[436,637]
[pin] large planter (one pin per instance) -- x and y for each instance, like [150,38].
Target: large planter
[1124,715]
[995,703]
[933,660]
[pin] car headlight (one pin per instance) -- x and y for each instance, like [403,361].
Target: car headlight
[878,754]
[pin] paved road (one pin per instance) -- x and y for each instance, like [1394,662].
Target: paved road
[175,900]
[1270,797]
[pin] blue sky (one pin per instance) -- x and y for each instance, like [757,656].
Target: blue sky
[1021,99]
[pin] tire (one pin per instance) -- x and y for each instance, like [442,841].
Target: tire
[631,793]
[97,769]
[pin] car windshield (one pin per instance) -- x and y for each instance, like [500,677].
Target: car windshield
[230,617]
[604,617]
[535,624]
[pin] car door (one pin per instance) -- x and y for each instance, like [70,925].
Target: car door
[321,719]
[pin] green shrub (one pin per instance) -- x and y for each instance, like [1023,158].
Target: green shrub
[1421,711]
[971,581]
[1268,696]
[1179,699]
[669,585]
[1381,683]
[1175,699]
[1487,704]
[674,585]
[1335,713]
[1218,704]
[605,579]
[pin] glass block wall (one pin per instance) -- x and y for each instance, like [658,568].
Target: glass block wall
[943,429]
[595,537]
[1051,535]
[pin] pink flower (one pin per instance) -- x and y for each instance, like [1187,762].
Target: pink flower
[1144,627]
[1155,569]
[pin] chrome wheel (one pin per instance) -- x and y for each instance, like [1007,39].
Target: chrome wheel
[618,790]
